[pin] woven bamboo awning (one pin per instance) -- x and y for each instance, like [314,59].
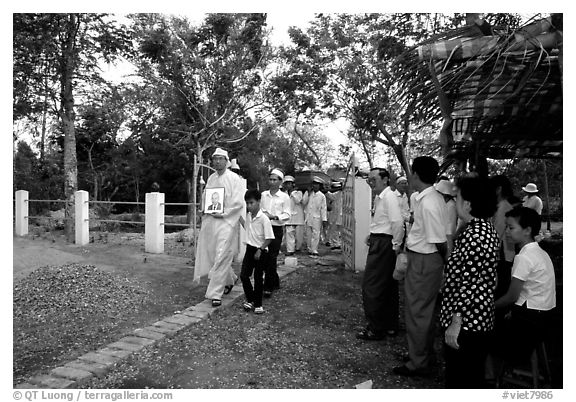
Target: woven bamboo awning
[500,94]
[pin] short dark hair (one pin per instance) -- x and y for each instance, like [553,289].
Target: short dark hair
[481,195]
[427,168]
[252,194]
[503,182]
[382,172]
[527,217]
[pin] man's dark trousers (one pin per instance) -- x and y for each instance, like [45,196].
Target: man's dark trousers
[379,288]
[271,279]
[249,265]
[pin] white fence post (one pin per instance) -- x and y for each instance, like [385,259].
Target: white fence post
[82,236]
[154,223]
[21,213]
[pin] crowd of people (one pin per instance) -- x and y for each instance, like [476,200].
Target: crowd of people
[280,215]
[473,267]
[465,251]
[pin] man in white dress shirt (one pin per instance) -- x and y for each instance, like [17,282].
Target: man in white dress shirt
[427,253]
[276,206]
[295,225]
[379,288]
[316,215]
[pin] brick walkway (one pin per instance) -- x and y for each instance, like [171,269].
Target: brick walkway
[75,373]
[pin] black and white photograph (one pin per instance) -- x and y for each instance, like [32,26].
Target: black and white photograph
[214,200]
[300,197]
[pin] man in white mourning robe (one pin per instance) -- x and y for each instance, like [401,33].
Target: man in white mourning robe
[214,250]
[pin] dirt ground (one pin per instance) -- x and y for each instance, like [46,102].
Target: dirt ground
[305,339]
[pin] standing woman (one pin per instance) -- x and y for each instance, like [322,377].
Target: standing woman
[467,313]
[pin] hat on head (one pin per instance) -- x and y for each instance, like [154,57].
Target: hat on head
[221,152]
[317,179]
[234,164]
[289,178]
[401,178]
[278,173]
[445,187]
[336,185]
[530,188]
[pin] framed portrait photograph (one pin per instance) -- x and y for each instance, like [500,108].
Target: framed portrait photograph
[214,200]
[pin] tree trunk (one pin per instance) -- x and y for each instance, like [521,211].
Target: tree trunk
[43,133]
[67,66]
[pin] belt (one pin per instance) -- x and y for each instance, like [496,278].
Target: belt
[416,252]
[380,235]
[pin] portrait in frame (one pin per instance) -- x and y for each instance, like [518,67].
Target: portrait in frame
[214,200]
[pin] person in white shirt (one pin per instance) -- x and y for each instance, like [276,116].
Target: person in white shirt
[532,291]
[379,288]
[531,199]
[215,248]
[315,215]
[259,235]
[446,188]
[503,190]
[427,253]
[295,225]
[275,204]
[334,197]
[401,193]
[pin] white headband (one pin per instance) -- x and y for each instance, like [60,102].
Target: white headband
[278,173]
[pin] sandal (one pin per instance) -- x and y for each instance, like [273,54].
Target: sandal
[368,335]
[216,302]
[228,288]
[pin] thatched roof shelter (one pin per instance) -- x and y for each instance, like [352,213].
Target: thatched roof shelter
[499,91]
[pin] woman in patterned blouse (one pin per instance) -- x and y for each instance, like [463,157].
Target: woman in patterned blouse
[467,313]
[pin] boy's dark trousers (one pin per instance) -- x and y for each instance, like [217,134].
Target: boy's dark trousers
[249,265]
[271,279]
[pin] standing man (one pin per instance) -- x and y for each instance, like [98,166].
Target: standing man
[276,206]
[295,225]
[402,196]
[379,288]
[427,253]
[335,215]
[531,199]
[316,219]
[215,248]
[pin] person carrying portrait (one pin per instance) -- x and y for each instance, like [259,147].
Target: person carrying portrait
[215,248]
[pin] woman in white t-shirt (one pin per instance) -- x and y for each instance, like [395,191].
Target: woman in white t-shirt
[532,291]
